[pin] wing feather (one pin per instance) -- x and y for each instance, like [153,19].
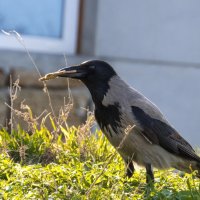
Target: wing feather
[160,132]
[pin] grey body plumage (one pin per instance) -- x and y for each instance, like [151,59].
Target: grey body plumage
[132,123]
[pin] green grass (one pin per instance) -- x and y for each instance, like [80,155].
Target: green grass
[75,164]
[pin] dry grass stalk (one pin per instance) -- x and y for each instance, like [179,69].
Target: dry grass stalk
[14,88]
[64,112]
[22,42]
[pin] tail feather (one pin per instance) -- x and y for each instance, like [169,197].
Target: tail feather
[198,169]
[189,167]
[195,166]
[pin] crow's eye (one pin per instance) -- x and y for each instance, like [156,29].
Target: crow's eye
[92,67]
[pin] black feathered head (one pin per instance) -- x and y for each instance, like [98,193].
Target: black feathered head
[95,74]
[91,70]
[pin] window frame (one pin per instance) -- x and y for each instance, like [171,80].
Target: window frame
[66,44]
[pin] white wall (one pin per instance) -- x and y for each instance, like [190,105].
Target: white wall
[151,30]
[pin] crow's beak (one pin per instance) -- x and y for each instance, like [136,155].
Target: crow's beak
[73,72]
[70,72]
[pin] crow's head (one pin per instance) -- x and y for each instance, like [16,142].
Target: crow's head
[95,74]
[90,71]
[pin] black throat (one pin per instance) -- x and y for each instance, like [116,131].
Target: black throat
[98,87]
[108,117]
[98,91]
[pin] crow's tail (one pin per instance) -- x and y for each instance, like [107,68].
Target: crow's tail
[190,166]
[198,169]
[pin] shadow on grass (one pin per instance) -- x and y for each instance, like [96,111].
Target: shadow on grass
[170,194]
[150,192]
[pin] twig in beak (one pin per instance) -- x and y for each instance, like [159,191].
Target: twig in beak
[53,75]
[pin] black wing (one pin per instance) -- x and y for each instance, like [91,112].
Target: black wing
[159,132]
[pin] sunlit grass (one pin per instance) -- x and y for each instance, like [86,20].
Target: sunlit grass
[75,164]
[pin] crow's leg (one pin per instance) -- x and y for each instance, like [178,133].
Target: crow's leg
[149,173]
[129,168]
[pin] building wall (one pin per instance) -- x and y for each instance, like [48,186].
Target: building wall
[149,30]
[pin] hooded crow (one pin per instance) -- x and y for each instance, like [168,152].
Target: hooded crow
[132,123]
